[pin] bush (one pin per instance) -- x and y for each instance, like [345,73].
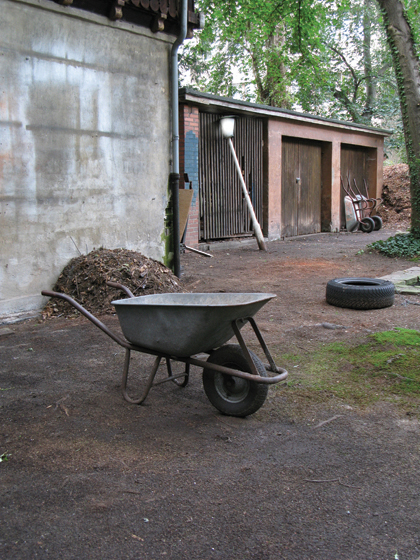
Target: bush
[401,245]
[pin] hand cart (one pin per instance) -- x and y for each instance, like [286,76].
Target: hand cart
[359,208]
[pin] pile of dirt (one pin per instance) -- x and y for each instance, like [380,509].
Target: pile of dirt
[395,210]
[85,277]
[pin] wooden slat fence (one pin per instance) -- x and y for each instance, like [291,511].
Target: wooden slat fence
[223,209]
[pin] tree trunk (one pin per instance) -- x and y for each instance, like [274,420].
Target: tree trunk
[407,70]
[367,61]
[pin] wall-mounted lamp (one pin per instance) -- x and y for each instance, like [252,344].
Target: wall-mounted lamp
[227,126]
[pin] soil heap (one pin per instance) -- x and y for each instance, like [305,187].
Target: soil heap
[395,209]
[85,277]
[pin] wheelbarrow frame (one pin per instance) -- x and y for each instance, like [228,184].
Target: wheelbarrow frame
[280,373]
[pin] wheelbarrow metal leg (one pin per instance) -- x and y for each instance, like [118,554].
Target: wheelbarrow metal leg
[149,383]
[271,363]
[273,367]
[175,378]
[244,347]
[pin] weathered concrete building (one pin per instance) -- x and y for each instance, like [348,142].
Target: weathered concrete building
[85,135]
[292,164]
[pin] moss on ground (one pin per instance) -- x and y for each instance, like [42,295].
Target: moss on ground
[386,366]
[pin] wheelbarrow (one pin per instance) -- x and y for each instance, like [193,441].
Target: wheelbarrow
[359,208]
[186,328]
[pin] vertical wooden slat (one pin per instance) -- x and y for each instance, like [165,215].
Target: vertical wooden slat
[309,207]
[289,193]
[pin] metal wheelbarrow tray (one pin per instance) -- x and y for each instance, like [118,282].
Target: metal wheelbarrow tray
[177,327]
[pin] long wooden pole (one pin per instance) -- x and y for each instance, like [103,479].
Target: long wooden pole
[255,225]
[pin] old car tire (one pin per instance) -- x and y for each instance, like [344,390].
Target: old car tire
[360,293]
[229,394]
[378,222]
[367,225]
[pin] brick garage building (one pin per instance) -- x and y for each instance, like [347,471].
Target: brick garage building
[292,164]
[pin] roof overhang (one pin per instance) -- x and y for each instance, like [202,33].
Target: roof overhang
[214,103]
[158,16]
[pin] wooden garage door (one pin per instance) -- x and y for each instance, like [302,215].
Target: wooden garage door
[223,209]
[301,187]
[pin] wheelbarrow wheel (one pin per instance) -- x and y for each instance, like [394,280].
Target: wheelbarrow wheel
[232,395]
[378,222]
[367,225]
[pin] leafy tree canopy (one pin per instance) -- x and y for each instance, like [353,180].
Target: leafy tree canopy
[326,57]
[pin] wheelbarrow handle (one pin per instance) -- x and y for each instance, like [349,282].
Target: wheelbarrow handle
[88,315]
[120,287]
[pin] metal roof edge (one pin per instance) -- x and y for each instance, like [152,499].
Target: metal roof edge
[206,99]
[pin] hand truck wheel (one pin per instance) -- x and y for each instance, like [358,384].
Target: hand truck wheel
[367,225]
[378,222]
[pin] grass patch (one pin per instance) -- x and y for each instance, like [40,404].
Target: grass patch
[403,245]
[384,367]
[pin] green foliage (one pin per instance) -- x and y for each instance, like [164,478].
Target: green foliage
[245,47]
[318,56]
[4,457]
[352,78]
[404,245]
[412,11]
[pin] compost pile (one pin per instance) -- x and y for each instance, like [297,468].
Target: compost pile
[395,210]
[85,277]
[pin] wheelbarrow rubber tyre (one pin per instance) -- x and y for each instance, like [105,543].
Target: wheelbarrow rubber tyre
[378,222]
[229,394]
[360,293]
[367,225]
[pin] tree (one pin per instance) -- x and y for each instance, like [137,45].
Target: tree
[326,57]
[350,76]
[402,37]
[248,47]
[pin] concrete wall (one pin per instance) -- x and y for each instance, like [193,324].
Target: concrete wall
[84,142]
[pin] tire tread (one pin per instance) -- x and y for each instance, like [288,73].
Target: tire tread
[375,294]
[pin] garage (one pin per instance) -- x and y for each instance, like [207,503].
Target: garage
[301,187]
[292,164]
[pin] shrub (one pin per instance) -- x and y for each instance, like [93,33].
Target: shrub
[401,245]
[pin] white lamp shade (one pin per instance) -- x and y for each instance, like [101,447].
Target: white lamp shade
[227,126]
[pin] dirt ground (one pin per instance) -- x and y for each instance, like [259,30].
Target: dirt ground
[90,476]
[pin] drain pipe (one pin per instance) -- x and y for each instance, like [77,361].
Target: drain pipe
[174,176]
